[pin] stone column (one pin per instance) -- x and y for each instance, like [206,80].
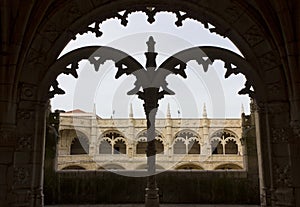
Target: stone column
[7,146]
[281,143]
[169,139]
[206,149]
[276,147]
[263,153]
[249,148]
[295,160]
[131,149]
[28,163]
[94,134]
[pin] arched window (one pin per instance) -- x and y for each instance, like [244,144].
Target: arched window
[120,147]
[194,147]
[79,146]
[112,143]
[224,142]
[231,147]
[159,146]
[141,146]
[186,142]
[217,147]
[179,147]
[105,147]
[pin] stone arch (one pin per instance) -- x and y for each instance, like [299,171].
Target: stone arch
[105,147]
[228,166]
[225,132]
[158,135]
[189,166]
[216,146]
[179,146]
[79,146]
[225,141]
[211,17]
[70,138]
[112,142]
[141,144]
[231,147]
[73,167]
[186,142]
[71,133]
[260,45]
[187,132]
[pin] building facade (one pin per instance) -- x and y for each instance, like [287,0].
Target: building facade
[89,142]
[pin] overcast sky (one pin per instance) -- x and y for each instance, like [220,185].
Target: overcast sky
[109,95]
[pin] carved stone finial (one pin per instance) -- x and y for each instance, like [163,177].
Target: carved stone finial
[204,113]
[242,109]
[94,109]
[130,111]
[151,44]
[168,111]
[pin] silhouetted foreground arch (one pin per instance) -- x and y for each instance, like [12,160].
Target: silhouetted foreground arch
[97,55]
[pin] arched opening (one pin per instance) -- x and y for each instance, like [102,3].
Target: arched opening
[120,147]
[105,147]
[228,166]
[159,146]
[141,147]
[179,147]
[187,142]
[79,146]
[192,147]
[73,167]
[112,142]
[250,24]
[189,167]
[231,147]
[224,142]
[216,147]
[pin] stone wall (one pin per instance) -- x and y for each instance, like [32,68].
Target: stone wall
[91,187]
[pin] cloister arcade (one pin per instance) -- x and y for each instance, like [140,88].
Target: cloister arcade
[120,145]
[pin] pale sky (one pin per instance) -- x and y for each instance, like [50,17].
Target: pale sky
[109,95]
